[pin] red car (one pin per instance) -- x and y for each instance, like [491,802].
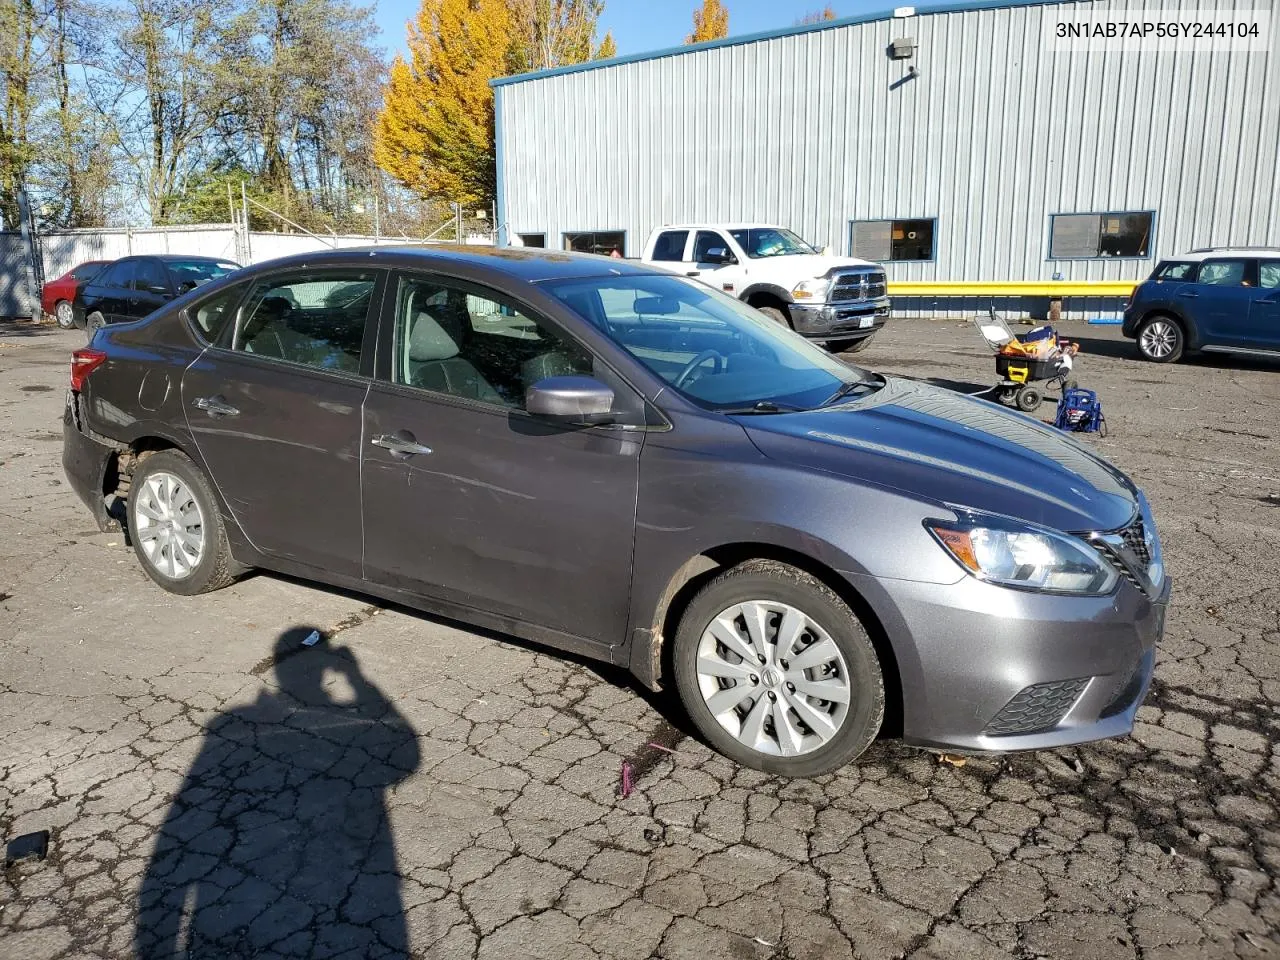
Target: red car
[57,295]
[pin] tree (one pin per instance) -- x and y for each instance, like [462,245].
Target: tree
[20,28]
[818,16]
[434,133]
[556,33]
[710,22]
[607,49]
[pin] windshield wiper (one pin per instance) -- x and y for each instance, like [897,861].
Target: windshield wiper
[848,388]
[762,406]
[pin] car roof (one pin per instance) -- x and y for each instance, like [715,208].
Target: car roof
[529,264]
[1209,253]
[726,225]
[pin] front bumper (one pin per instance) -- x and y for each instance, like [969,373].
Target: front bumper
[843,320]
[85,461]
[988,669]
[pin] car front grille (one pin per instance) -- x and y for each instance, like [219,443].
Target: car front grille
[1131,541]
[859,285]
[1036,708]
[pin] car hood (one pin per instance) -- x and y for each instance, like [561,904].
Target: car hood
[803,266]
[943,446]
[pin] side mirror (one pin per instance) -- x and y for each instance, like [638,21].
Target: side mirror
[826,251]
[186,286]
[719,255]
[571,399]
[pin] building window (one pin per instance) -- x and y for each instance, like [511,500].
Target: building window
[532,239]
[881,241]
[603,242]
[1088,236]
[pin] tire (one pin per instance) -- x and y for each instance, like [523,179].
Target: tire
[1028,399]
[1161,339]
[153,499]
[856,345]
[827,626]
[94,322]
[776,315]
[65,316]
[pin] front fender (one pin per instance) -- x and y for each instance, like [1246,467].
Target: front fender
[770,289]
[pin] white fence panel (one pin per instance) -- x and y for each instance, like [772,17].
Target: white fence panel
[63,249]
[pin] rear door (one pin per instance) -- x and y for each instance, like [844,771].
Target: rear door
[276,412]
[1264,317]
[109,292]
[490,507]
[151,289]
[1221,300]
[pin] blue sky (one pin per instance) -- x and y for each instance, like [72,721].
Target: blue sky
[641,25]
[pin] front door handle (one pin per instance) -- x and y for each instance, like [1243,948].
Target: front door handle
[1189,294]
[693,273]
[401,444]
[215,407]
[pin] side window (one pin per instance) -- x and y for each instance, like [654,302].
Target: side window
[1269,275]
[150,277]
[704,243]
[210,316]
[1222,273]
[1176,270]
[317,320]
[670,245]
[117,275]
[477,346]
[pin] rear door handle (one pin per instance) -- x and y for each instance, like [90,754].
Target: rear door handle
[693,273]
[401,444]
[215,407]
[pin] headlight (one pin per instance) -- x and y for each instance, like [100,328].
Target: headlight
[811,289]
[1033,558]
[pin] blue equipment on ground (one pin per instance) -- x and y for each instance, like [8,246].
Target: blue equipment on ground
[1080,410]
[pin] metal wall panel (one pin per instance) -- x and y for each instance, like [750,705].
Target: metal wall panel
[993,136]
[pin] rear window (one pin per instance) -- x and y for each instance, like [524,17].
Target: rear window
[670,245]
[1175,270]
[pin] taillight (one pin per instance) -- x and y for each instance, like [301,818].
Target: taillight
[83,363]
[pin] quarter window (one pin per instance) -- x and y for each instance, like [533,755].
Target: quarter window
[210,316]
[317,320]
[476,346]
[1087,236]
[1269,274]
[883,241]
[1223,273]
[603,242]
[670,245]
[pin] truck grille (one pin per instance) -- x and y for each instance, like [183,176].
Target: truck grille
[1038,707]
[860,285]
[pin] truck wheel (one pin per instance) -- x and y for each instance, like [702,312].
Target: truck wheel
[776,315]
[777,672]
[856,345]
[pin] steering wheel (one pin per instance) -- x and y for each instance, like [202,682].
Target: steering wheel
[698,361]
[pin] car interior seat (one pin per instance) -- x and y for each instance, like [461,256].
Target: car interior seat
[433,360]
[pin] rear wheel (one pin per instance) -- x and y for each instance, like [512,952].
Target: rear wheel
[176,527]
[776,671]
[776,315]
[1028,399]
[1160,340]
[65,316]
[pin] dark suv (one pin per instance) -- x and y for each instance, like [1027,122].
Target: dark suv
[1220,300]
[131,288]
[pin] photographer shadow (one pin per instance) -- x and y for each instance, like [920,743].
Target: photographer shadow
[278,841]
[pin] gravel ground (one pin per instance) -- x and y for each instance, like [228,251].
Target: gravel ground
[412,786]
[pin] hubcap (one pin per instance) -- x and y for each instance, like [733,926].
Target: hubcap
[64,315]
[773,678]
[1158,339]
[170,525]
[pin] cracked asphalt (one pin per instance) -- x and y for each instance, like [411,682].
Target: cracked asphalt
[214,788]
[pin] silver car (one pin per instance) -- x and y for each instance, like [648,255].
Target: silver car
[625,464]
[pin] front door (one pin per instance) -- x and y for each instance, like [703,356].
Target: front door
[715,263]
[469,499]
[1264,318]
[276,413]
[1220,301]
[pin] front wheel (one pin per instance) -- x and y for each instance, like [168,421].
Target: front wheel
[176,527]
[776,315]
[1161,340]
[1028,399]
[856,345]
[777,672]
[94,322]
[65,316]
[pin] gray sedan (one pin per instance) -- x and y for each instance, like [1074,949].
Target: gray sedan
[624,464]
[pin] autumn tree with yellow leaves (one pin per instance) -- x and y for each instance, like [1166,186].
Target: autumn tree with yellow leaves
[434,134]
[710,22]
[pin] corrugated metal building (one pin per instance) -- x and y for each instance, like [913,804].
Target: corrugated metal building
[984,160]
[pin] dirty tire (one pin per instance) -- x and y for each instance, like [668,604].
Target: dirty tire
[770,580]
[65,316]
[1028,399]
[856,346]
[216,568]
[94,322]
[776,315]
[1161,339]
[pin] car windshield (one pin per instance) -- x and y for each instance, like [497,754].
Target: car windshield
[717,351]
[760,242]
[188,274]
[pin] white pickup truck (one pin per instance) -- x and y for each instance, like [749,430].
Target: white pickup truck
[837,301]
